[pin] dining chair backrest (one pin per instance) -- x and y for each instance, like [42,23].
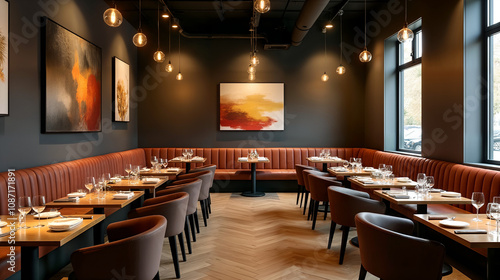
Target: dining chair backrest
[318,186]
[298,170]
[389,252]
[191,186]
[205,177]
[211,168]
[135,246]
[305,174]
[171,206]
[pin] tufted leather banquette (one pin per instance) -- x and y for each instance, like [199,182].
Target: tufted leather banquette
[56,180]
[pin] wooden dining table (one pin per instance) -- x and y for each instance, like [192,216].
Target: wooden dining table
[489,241]
[30,239]
[253,176]
[381,184]
[188,161]
[170,173]
[148,187]
[325,161]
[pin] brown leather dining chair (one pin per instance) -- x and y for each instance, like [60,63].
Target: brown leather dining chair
[173,207]
[212,169]
[344,205]
[305,174]
[389,252]
[301,190]
[192,187]
[206,178]
[134,249]
[318,187]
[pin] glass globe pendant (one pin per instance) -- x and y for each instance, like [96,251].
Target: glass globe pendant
[140,39]
[179,76]
[365,56]
[169,68]
[405,34]
[251,77]
[159,56]
[254,60]
[341,70]
[113,17]
[251,69]
[262,6]
[324,77]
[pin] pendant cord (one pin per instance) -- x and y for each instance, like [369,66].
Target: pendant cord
[340,39]
[406,12]
[325,52]
[179,52]
[140,14]
[365,24]
[169,27]
[158,25]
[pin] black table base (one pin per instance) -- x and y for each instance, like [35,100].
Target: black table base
[253,192]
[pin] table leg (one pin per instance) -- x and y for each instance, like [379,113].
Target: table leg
[188,167]
[492,267]
[99,229]
[325,167]
[254,192]
[30,263]
[421,208]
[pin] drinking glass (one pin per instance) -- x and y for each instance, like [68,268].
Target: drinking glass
[345,164]
[496,199]
[420,181]
[429,182]
[154,161]
[24,207]
[495,213]
[106,178]
[488,215]
[477,202]
[90,184]
[165,163]
[135,174]
[38,206]
[184,153]
[381,167]
[128,168]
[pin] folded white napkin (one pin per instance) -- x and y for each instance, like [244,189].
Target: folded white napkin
[116,180]
[173,169]
[123,195]
[177,158]
[196,158]
[243,159]
[65,224]
[261,159]
[145,169]
[368,169]
[151,180]
[402,179]
[47,215]
[76,194]
[315,158]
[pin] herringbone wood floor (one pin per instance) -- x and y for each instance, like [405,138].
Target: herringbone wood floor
[263,238]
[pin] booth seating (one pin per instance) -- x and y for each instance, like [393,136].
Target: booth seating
[57,180]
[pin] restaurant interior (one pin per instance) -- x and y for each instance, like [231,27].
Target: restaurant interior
[267,139]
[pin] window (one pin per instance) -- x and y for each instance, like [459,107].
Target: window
[410,94]
[492,37]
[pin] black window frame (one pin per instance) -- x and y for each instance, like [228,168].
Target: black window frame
[400,87]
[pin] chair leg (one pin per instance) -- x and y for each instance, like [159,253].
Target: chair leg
[315,205]
[157,276]
[181,243]
[311,208]
[206,209]
[326,210]
[345,234]
[209,204]
[203,212]
[362,273]
[196,221]
[302,192]
[305,203]
[333,225]
[193,231]
[298,194]
[186,232]
[175,257]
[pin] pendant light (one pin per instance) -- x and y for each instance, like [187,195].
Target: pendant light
[251,69]
[179,75]
[262,6]
[113,17]
[254,59]
[165,14]
[341,68]
[365,56]
[140,39]
[159,56]
[405,34]
[251,77]
[169,68]
[325,77]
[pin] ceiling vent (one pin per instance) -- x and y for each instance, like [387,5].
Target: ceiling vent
[270,47]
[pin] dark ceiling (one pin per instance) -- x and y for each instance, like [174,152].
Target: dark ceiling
[231,17]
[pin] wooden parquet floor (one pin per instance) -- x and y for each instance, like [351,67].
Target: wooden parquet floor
[263,238]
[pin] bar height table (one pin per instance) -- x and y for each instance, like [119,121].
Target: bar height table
[253,164]
[325,161]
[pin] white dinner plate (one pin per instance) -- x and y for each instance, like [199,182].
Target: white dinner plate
[451,194]
[65,224]
[47,215]
[2,224]
[453,224]
[403,179]
[77,194]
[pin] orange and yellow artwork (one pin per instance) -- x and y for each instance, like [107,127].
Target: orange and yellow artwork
[121,90]
[72,82]
[4,58]
[252,106]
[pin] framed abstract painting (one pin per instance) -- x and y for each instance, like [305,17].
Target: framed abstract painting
[252,106]
[71,73]
[121,94]
[4,58]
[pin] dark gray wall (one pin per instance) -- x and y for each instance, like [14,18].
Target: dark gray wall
[21,143]
[185,113]
[442,77]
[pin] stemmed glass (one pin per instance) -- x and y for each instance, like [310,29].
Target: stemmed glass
[128,168]
[24,207]
[38,206]
[429,182]
[388,170]
[106,178]
[190,153]
[421,181]
[495,213]
[89,185]
[185,153]
[345,164]
[477,202]
[165,163]
[154,161]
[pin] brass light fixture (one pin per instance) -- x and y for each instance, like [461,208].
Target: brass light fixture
[365,56]
[179,75]
[262,6]
[140,40]
[159,56]
[113,17]
[254,59]
[175,23]
[405,34]
[329,24]
[325,77]
[165,14]
[169,68]
[341,68]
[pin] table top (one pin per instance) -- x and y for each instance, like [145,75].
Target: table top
[434,198]
[349,172]
[126,184]
[325,160]
[262,160]
[162,172]
[194,159]
[469,240]
[379,184]
[91,201]
[44,236]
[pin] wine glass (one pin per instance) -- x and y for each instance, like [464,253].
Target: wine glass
[496,199]
[190,153]
[154,161]
[165,163]
[89,185]
[495,213]
[184,153]
[477,202]
[488,215]
[106,178]
[345,164]
[38,206]
[429,181]
[24,207]
[128,168]
[381,167]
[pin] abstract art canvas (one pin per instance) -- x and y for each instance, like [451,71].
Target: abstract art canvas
[4,58]
[252,106]
[121,97]
[72,76]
